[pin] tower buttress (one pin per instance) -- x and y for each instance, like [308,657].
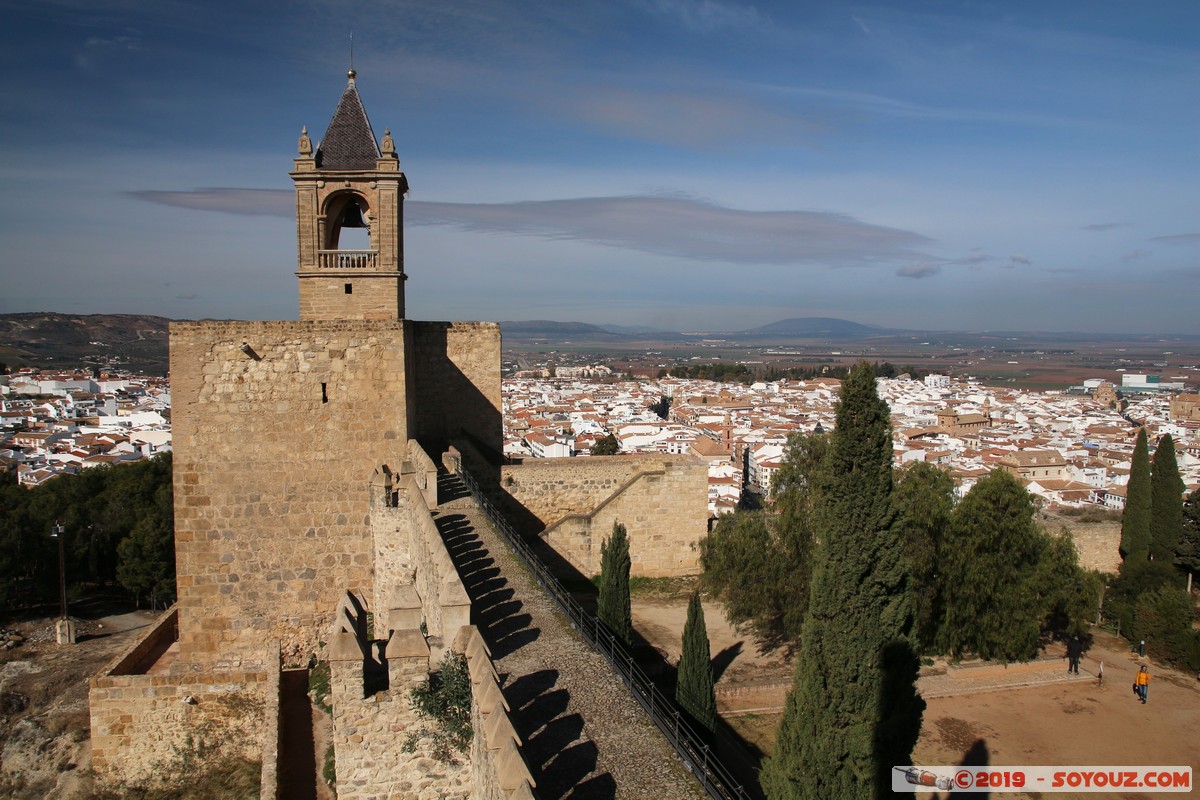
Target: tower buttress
[350,183]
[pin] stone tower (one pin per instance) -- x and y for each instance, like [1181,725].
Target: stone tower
[280,426]
[350,182]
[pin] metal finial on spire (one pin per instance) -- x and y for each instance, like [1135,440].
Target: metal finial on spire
[351,73]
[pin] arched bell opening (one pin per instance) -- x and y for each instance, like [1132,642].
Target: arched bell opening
[349,222]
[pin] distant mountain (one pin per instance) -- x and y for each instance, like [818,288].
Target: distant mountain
[49,339]
[815,328]
[636,329]
[556,331]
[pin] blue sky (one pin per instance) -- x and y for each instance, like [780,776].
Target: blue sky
[687,164]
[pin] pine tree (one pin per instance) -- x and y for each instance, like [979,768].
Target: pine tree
[1135,522]
[992,581]
[694,689]
[852,712]
[1166,502]
[613,607]
[760,565]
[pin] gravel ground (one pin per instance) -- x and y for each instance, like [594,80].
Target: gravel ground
[584,736]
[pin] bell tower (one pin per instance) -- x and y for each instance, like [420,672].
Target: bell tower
[350,185]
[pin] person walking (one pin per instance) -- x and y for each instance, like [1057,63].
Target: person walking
[1074,651]
[1142,683]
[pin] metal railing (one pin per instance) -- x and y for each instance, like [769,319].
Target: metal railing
[347,259]
[693,746]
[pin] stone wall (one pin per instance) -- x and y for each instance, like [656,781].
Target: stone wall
[370,728]
[456,383]
[416,581]
[498,768]
[278,427]
[145,726]
[661,500]
[370,297]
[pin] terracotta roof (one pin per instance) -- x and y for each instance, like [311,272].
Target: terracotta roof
[349,142]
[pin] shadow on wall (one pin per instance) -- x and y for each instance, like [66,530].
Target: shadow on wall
[457,385]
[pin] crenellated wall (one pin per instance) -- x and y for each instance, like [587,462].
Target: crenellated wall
[373,718]
[380,749]
[662,500]
[414,572]
[498,768]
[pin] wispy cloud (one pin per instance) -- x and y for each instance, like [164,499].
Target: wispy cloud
[706,16]
[1105,226]
[922,269]
[1179,238]
[673,226]
[686,228]
[1134,255]
[1019,259]
[255,202]
[688,118]
[96,48]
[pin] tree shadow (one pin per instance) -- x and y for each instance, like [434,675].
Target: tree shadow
[722,660]
[977,756]
[900,709]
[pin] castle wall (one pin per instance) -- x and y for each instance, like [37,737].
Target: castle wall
[274,451]
[661,499]
[416,581]
[369,733]
[456,382]
[144,726]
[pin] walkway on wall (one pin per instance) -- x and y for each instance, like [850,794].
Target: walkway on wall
[585,737]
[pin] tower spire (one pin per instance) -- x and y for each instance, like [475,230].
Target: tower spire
[347,182]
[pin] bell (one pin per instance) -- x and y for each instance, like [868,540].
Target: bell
[352,217]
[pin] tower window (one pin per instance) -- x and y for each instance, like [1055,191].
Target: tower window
[324,394]
[349,288]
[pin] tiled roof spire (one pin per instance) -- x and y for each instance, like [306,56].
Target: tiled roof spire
[349,142]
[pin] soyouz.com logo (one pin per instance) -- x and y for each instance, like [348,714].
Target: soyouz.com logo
[1042,779]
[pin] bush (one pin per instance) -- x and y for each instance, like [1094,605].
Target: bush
[1164,619]
[445,699]
[1135,579]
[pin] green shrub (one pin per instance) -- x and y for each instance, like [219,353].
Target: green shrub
[1164,619]
[444,699]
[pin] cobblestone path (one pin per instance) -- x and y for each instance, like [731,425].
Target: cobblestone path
[585,737]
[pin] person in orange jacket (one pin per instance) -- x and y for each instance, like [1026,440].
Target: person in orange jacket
[1142,683]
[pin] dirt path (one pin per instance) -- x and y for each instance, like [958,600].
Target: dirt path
[1030,714]
[1075,723]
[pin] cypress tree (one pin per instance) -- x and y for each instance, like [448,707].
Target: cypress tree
[1135,521]
[1187,553]
[924,504]
[852,713]
[613,606]
[694,688]
[1166,502]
